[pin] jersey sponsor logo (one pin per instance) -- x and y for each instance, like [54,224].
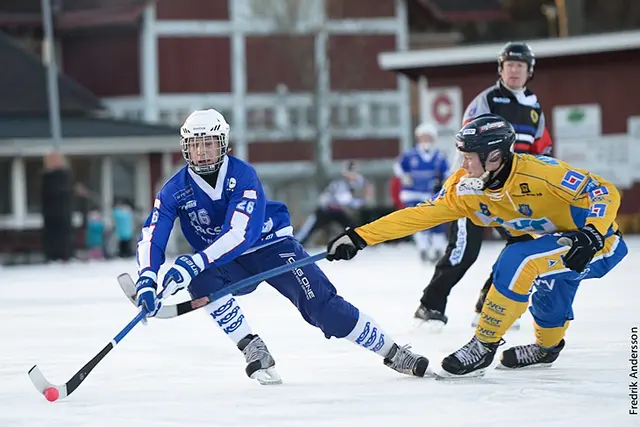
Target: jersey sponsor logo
[469,132]
[190,204]
[526,191]
[527,225]
[597,211]
[501,100]
[572,180]
[599,192]
[591,185]
[183,194]
[464,188]
[535,116]
[300,277]
[232,183]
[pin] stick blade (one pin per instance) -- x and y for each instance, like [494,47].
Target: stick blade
[128,287]
[41,383]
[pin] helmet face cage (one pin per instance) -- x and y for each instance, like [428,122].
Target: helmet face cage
[204,154]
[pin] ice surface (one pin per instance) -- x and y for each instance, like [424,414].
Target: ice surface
[185,372]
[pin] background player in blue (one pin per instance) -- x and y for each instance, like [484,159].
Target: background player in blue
[422,171]
[236,233]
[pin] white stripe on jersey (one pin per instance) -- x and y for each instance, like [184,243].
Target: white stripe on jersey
[524,137]
[229,240]
[144,248]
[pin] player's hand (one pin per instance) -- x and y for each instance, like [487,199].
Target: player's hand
[345,246]
[146,295]
[181,273]
[585,243]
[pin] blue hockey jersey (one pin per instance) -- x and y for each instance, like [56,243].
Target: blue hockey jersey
[221,222]
[420,172]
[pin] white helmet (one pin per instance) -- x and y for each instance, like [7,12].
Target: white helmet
[426,129]
[204,140]
[426,135]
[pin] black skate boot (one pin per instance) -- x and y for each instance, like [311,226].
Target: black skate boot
[471,360]
[433,318]
[260,363]
[400,359]
[524,356]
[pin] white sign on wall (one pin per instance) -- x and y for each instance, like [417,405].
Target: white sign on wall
[609,156]
[633,130]
[443,107]
[577,121]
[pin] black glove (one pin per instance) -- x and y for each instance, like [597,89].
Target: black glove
[584,245]
[345,246]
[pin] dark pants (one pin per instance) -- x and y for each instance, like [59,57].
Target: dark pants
[125,249]
[307,288]
[320,219]
[465,241]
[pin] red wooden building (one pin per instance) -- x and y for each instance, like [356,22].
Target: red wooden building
[596,69]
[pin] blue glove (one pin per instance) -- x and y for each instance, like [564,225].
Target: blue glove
[146,295]
[181,273]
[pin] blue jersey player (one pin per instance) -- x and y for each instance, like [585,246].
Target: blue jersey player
[422,171]
[235,233]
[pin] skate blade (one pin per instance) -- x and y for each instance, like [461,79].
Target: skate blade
[443,375]
[535,367]
[267,376]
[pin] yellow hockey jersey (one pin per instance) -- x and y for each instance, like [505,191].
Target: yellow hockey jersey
[542,195]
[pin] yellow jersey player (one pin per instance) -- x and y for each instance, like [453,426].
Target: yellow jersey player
[570,211]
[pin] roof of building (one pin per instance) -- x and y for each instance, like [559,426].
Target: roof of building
[23,84]
[14,127]
[71,14]
[465,10]
[411,61]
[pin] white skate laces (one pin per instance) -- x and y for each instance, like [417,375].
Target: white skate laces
[528,354]
[472,352]
[403,360]
[256,351]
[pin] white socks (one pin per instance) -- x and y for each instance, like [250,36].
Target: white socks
[228,316]
[369,335]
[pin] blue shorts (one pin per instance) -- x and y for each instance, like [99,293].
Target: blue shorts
[538,264]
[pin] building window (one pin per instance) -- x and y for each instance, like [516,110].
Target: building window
[87,170]
[5,186]
[124,178]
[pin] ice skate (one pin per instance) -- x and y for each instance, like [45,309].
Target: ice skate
[529,356]
[433,319]
[260,363]
[471,360]
[400,359]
